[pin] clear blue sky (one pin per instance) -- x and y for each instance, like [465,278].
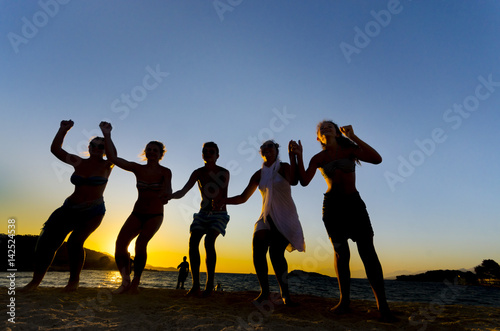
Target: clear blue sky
[417,80]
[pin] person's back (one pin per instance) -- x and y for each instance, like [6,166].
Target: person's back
[183,267]
[183,273]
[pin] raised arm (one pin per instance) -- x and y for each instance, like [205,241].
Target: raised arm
[111,152]
[365,152]
[56,146]
[305,176]
[247,192]
[294,170]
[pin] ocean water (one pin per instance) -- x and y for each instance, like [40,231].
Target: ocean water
[323,286]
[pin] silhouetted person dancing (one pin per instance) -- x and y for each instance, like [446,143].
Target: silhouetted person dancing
[278,227]
[183,273]
[209,222]
[344,212]
[81,213]
[153,184]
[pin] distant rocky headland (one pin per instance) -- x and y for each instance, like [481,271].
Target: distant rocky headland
[487,273]
[305,274]
[452,276]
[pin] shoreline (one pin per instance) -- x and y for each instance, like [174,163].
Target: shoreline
[98,309]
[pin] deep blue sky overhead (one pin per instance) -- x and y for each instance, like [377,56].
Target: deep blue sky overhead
[418,80]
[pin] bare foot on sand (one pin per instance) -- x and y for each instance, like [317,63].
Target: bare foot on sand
[261,298]
[133,289]
[341,308]
[193,292]
[289,303]
[206,293]
[122,289]
[387,317]
[71,287]
[31,286]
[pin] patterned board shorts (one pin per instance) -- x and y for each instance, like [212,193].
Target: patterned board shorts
[205,221]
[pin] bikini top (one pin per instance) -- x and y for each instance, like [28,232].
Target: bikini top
[149,186]
[345,165]
[89,181]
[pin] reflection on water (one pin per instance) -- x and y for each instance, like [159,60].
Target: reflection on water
[113,277]
[438,293]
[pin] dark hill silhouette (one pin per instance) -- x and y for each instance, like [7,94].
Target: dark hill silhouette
[451,276]
[304,274]
[25,247]
[487,273]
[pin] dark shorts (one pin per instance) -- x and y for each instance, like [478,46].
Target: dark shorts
[67,218]
[345,217]
[70,215]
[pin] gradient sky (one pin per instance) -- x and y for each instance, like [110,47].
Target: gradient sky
[418,80]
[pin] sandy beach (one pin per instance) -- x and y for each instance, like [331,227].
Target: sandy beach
[166,309]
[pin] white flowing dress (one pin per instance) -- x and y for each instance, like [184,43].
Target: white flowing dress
[278,203]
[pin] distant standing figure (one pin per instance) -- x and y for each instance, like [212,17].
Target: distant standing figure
[278,227]
[212,182]
[344,212]
[183,273]
[153,184]
[81,213]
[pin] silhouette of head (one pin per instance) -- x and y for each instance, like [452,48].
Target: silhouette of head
[96,145]
[270,144]
[342,140]
[154,147]
[210,147]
